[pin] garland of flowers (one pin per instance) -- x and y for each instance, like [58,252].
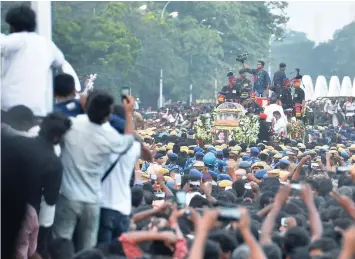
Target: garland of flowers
[296,130]
[247,132]
[248,129]
[203,127]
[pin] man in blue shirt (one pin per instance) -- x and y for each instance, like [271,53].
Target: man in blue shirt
[65,102]
[261,79]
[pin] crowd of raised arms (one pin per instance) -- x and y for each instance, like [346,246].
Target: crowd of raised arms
[80,182]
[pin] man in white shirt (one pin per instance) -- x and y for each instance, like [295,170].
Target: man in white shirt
[116,196]
[86,156]
[271,108]
[26,62]
[331,110]
[280,124]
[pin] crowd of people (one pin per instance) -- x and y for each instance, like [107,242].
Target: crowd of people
[81,183]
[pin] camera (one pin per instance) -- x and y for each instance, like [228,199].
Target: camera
[242,57]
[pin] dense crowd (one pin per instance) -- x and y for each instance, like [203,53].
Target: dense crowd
[80,182]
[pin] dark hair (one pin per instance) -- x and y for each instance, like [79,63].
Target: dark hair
[212,250]
[199,202]
[282,65]
[99,106]
[137,196]
[238,187]
[227,242]
[272,251]
[324,244]
[300,252]
[61,248]
[261,62]
[148,197]
[64,85]
[20,117]
[21,18]
[266,198]
[294,238]
[158,247]
[276,113]
[54,126]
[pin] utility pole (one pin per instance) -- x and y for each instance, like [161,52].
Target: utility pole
[161,89]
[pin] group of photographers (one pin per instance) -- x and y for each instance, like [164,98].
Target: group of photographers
[279,89]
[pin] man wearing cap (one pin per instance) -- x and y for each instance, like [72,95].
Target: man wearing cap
[244,85]
[156,165]
[230,91]
[279,76]
[172,163]
[265,128]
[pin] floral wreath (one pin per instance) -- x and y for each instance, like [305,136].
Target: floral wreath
[247,132]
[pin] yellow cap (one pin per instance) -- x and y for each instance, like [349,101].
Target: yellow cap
[257,164]
[199,164]
[352,147]
[162,171]
[168,178]
[273,173]
[225,183]
[278,156]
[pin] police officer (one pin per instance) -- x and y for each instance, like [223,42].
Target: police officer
[244,85]
[230,91]
[278,79]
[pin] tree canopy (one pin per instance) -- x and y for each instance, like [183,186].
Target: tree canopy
[128,43]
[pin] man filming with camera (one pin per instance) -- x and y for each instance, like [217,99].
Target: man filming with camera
[261,77]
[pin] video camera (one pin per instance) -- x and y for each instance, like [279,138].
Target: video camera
[242,57]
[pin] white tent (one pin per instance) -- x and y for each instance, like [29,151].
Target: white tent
[353,89]
[321,88]
[334,87]
[308,87]
[346,87]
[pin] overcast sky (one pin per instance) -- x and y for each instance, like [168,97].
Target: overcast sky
[320,19]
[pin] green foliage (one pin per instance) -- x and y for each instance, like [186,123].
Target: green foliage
[127,46]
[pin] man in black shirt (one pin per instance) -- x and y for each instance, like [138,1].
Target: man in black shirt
[265,129]
[279,77]
[230,91]
[41,168]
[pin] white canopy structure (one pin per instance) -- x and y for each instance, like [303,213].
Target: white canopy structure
[308,88]
[353,88]
[334,87]
[346,87]
[321,88]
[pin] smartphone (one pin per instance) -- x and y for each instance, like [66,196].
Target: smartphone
[229,214]
[125,91]
[181,199]
[296,186]
[153,177]
[178,179]
[284,222]
[159,195]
